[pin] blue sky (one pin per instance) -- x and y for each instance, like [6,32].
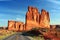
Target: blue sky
[16,10]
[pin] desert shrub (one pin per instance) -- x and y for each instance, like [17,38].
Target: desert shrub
[34,32]
[44,29]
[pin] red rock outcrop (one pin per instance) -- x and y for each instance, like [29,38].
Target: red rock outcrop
[44,20]
[11,25]
[35,19]
[15,26]
[32,18]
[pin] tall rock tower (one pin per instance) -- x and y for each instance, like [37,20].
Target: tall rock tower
[35,19]
[32,18]
[44,20]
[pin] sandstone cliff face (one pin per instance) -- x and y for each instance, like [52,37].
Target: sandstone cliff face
[19,26]
[32,18]
[44,21]
[11,25]
[15,26]
[35,19]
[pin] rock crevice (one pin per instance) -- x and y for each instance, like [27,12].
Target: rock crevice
[36,19]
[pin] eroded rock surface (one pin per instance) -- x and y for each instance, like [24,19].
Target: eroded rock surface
[15,25]
[36,19]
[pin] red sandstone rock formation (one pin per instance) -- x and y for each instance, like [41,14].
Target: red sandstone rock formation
[35,19]
[19,26]
[45,20]
[15,26]
[32,18]
[11,25]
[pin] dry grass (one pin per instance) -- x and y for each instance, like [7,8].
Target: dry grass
[5,33]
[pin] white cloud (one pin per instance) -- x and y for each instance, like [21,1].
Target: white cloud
[54,1]
[20,19]
[55,11]
[54,4]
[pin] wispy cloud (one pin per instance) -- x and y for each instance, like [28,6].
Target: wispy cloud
[20,19]
[54,1]
[11,11]
[5,0]
[55,11]
[55,22]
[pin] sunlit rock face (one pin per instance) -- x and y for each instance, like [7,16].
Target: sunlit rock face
[35,19]
[11,25]
[44,20]
[32,18]
[15,26]
[53,26]
[19,26]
